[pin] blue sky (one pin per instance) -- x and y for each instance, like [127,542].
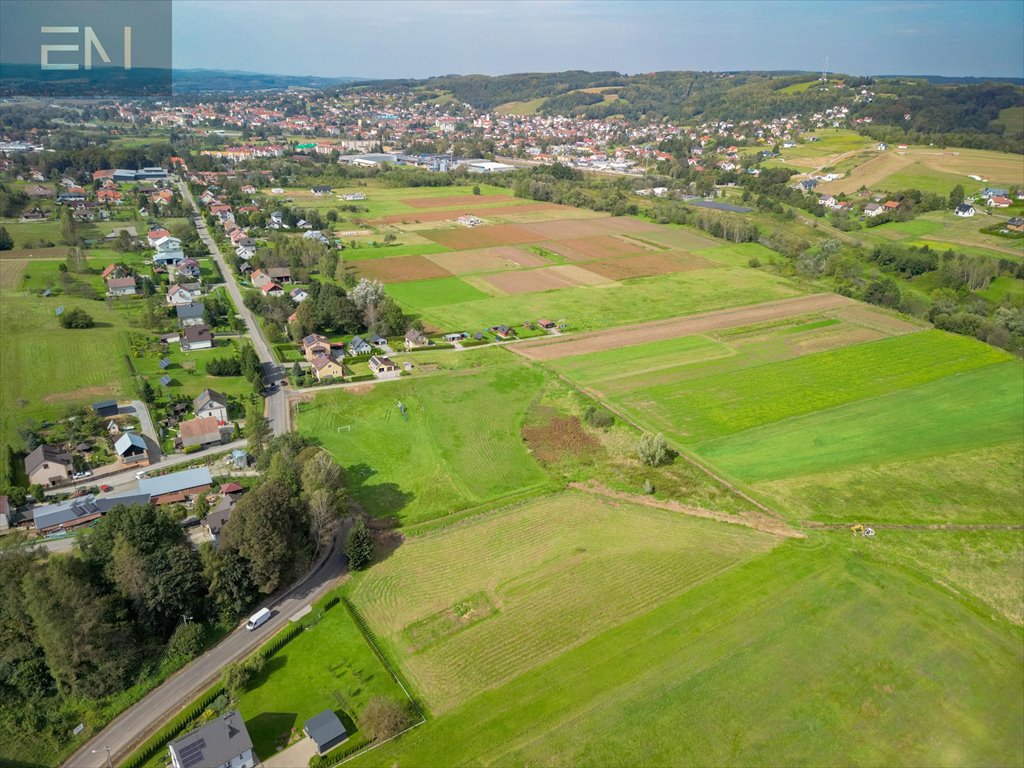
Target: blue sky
[380,38]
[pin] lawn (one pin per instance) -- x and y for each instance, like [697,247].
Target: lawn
[1002,287]
[328,666]
[190,381]
[531,583]
[459,447]
[419,295]
[631,301]
[975,409]
[816,653]
[920,176]
[739,254]
[717,405]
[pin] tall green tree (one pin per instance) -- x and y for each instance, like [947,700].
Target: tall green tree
[257,430]
[6,241]
[68,227]
[359,546]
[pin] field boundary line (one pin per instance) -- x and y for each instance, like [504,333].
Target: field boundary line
[918,526]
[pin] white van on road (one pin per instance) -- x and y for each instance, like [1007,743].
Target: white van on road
[258,619]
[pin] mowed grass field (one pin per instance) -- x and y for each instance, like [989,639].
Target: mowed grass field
[815,653]
[530,583]
[460,446]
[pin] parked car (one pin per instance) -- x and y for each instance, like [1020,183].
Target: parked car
[80,475]
[106,488]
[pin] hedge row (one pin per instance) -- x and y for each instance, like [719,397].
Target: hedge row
[324,761]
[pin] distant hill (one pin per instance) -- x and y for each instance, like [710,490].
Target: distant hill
[229,81]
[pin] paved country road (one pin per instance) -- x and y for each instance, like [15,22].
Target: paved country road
[130,729]
[277,404]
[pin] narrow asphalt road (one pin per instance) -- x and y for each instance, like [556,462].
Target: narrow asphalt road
[276,406]
[126,732]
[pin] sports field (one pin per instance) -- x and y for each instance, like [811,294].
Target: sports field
[458,447]
[533,582]
[816,653]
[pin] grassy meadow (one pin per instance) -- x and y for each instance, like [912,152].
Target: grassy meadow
[459,447]
[815,652]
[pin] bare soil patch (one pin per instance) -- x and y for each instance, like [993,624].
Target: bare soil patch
[487,260]
[10,273]
[545,279]
[649,264]
[862,314]
[554,437]
[78,394]
[553,348]
[600,247]
[400,269]
[580,275]
[483,237]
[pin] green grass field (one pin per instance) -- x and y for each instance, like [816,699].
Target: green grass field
[1002,287]
[411,249]
[532,582]
[47,368]
[460,446]
[816,653]
[920,176]
[975,409]
[717,405]
[387,201]
[329,666]
[421,295]
[191,382]
[631,301]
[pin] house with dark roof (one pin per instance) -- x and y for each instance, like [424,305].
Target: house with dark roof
[105,408]
[196,337]
[326,730]
[219,743]
[964,210]
[359,347]
[74,513]
[193,313]
[48,465]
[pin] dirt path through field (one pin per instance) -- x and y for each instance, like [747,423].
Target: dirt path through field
[628,335]
[763,523]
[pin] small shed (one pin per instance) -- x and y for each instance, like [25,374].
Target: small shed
[326,731]
[105,408]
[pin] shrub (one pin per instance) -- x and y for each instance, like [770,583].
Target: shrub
[598,417]
[383,717]
[653,450]
[77,318]
[754,262]
[224,366]
[648,487]
[186,642]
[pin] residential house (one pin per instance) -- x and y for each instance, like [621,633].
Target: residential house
[245,252]
[218,517]
[358,346]
[195,337]
[965,210]
[167,258]
[998,201]
[378,341]
[316,234]
[108,196]
[113,428]
[259,278]
[988,192]
[452,337]
[321,190]
[158,233]
[873,209]
[380,365]
[221,743]
[325,730]
[131,449]
[326,368]
[546,324]
[189,268]
[1016,224]
[891,205]
[298,295]
[177,486]
[211,404]
[416,340]
[203,431]
[114,271]
[314,345]
[503,332]
[183,293]
[48,465]
[121,286]
[193,313]
[354,196]
[272,289]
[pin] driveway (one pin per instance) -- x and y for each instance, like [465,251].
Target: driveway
[138,409]
[297,755]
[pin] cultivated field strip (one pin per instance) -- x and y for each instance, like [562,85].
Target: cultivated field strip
[558,571]
[718,405]
[705,322]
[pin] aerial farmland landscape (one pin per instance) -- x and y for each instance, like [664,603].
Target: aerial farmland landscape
[657,402]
